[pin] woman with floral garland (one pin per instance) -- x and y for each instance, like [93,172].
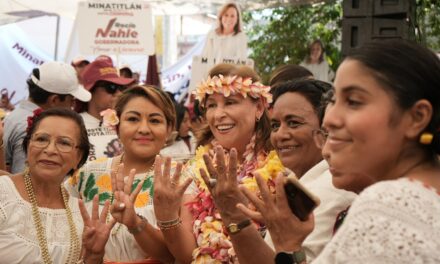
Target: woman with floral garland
[234,104]
[390,159]
[143,119]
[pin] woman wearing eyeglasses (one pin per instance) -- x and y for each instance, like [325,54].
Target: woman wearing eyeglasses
[39,221]
[103,81]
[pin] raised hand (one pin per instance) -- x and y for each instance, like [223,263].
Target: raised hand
[122,208]
[286,230]
[96,231]
[223,184]
[168,191]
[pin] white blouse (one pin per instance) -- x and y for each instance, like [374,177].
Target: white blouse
[394,221]
[225,46]
[18,238]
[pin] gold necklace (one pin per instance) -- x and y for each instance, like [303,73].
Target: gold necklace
[73,255]
[115,230]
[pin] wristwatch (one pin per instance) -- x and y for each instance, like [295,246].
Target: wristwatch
[295,257]
[137,229]
[234,228]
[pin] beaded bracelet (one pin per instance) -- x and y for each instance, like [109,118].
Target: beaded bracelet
[137,229]
[171,224]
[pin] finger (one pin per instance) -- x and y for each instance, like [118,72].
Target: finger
[167,169]
[84,214]
[120,178]
[205,178]
[210,166]
[88,233]
[118,205]
[254,215]
[184,186]
[95,208]
[280,195]
[264,190]
[253,199]
[177,173]
[136,191]
[232,172]
[158,170]
[220,160]
[104,212]
[128,185]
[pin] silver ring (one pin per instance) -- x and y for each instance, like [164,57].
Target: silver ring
[212,182]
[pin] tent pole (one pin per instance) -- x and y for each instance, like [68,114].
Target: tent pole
[57,34]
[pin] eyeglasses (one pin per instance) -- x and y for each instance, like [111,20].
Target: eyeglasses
[62,144]
[111,88]
[319,136]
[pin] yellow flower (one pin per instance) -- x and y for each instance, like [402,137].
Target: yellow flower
[272,167]
[250,184]
[104,183]
[142,200]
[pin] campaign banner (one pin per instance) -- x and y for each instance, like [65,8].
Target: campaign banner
[201,65]
[19,56]
[115,27]
[177,77]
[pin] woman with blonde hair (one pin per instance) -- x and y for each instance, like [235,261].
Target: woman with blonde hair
[228,40]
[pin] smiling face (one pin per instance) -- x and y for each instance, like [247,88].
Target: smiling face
[229,20]
[315,52]
[232,119]
[366,132]
[293,119]
[143,128]
[48,163]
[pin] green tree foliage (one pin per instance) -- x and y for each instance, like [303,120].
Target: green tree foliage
[282,35]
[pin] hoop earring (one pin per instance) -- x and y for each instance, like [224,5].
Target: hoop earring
[426,138]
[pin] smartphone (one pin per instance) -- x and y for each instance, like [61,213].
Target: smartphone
[301,201]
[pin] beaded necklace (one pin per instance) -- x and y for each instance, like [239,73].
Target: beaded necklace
[74,248]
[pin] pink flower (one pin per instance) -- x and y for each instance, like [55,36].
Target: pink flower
[109,118]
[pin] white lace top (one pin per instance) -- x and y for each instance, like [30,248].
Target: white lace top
[18,240]
[390,222]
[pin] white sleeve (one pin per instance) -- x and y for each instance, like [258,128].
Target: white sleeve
[387,224]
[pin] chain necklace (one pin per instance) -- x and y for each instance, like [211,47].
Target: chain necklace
[115,230]
[74,248]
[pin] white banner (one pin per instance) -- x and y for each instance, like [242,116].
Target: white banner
[115,27]
[19,56]
[176,78]
[201,66]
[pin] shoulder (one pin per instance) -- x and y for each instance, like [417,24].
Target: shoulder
[391,220]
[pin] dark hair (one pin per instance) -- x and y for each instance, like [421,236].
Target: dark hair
[84,144]
[237,27]
[409,72]
[126,72]
[157,97]
[312,90]
[180,114]
[38,95]
[321,57]
[262,128]
[288,72]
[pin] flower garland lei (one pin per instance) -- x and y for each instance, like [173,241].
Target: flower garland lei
[213,242]
[230,85]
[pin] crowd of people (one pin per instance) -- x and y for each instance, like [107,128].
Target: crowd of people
[99,168]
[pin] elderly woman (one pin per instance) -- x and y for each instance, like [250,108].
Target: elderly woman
[391,159]
[143,119]
[40,222]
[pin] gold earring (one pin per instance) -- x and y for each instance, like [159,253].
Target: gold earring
[426,138]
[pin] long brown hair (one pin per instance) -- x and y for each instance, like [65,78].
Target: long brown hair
[237,27]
